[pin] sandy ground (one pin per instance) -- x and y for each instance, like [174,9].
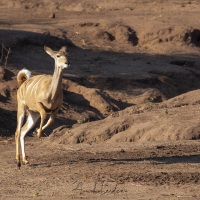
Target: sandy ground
[122,171]
[129,124]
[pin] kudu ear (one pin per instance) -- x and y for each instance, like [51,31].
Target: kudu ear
[49,51]
[63,49]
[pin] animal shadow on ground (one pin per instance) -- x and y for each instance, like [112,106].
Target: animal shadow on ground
[158,160]
[154,160]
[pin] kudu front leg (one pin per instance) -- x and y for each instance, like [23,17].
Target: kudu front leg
[42,112]
[51,119]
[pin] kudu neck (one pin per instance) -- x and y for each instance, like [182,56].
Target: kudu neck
[56,83]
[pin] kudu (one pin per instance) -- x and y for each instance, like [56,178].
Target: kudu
[37,96]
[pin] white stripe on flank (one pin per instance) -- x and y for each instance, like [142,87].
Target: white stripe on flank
[35,86]
[30,85]
[35,81]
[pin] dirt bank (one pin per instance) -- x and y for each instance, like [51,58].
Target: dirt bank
[129,124]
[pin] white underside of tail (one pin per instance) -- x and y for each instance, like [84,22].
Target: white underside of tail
[25,71]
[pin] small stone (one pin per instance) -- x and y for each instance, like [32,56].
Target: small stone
[52,15]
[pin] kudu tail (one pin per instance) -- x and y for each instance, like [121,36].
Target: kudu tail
[23,75]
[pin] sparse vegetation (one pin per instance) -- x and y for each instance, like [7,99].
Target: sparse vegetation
[5,52]
[150,104]
[36,193]
[166,111]
[81,121]
[96,152]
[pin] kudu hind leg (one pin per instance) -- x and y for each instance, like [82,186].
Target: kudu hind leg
[30,122]
[20,119]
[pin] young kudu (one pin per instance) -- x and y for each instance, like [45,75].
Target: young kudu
[37,96]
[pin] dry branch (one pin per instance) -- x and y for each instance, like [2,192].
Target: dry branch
[4,54]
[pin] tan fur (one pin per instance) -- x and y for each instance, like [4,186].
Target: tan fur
[21,78]
[23,75]
[38,95]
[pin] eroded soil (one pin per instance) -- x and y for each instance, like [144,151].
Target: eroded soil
[129,124]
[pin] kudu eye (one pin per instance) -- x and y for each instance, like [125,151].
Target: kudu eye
[58,56]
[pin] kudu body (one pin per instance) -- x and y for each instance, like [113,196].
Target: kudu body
[37,96]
